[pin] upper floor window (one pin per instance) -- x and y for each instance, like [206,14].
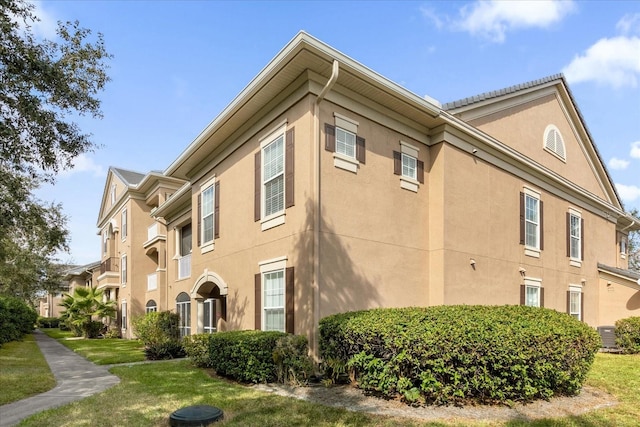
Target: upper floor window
[123,270]
[531,222]
[575,237]
[124,224]
[105,239]
[208,215]
[184,251]
[407,165]
[574,302]
[553,142]
[274,177]
[623,246]
[342,139]
[113,194]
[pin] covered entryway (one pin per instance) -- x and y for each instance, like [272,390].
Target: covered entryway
[210,293]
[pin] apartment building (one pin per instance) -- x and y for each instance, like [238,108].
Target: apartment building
[74,277]
[325,187]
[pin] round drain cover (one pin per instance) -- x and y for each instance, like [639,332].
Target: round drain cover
[198,415]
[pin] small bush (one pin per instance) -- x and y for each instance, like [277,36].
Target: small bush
[16,319]
[293,365]
[94,329]
[628,334]
[453,354]
[245,356]
[48,322]
[197,349]
[160,334]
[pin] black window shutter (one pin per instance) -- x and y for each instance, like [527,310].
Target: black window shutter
[289,304]
[257,207]
[199,219]
[522,294]
[541,225]
[568,234]
[216,212]
[582,239]
[330,140]
[360,149]
[541,296]
[582,306]
[289,169]
[258,301]
[397,163]
[420,171]
[521,218]
[568,302]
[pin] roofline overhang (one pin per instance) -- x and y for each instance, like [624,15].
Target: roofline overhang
[180,196]
[302,41]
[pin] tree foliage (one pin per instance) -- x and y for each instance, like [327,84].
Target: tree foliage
[634,246]
[43,84]
[85,307]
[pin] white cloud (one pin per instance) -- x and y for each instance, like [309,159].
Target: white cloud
[635,150]
[47,26]
[629,24]
[611,61]
[628,193]
[618,164]
[82,163]
[432,16]
[493,19]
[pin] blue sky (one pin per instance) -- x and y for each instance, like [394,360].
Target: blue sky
[177,64]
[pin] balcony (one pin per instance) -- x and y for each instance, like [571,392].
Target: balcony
[154,238]
[109,273]
[110,265]
[184,267]
[152,281]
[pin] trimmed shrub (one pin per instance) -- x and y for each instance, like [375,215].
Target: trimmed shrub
[16,319]
[159,332]
[291,356]
[245,356]
[453,354]
[628,334]
[48,322]
[197,349]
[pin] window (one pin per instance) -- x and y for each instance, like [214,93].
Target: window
[105,238]
[124,224]
[274,296]
[184,251]
[183,308]
[407,165]
[151,306]
[274,177]
[113,194]
[623,247]
[532,293]
[574,302]
[575,239]
[553,142]
[342,139]
[531,222]
[209,316]
[123,317]
[207,215]
[123,270]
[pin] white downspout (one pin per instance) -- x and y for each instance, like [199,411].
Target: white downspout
[316,211]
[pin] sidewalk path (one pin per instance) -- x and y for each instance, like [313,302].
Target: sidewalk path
[76,378]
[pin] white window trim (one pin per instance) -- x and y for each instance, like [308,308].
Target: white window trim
[123,271]
[575,261]
[345,162]
[576,289]
[124,221]
[278,263]
[548,129]
[124,319]
[532,282]
[270,266]
[624,245]
[105,240]
[209,245]
[113,194]
[532,251]
[342,161]
[212,311]
[277,218]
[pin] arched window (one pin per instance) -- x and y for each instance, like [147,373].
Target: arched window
[183,308]
[553,142]
[151,306]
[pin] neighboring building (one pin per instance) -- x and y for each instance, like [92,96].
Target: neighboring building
[74,277]
[324,188]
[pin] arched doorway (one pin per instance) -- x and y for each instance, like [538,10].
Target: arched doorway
[210,292]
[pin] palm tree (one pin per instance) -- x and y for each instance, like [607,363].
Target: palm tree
[83,306]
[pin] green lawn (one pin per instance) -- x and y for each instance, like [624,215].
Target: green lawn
[105,351]
[23,371]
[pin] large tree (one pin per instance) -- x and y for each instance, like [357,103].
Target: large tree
[43,84]
[634,246]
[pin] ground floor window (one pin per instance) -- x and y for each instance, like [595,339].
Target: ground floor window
[183,308]
[151,306]
[532,293]
[274,300]
[209,316]
[123,318]
[575,302]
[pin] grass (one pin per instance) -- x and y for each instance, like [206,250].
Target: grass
[106,351]
[23,371]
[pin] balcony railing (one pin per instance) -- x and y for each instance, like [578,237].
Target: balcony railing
[152,231]
[152,281]
[110,264]
[184,266]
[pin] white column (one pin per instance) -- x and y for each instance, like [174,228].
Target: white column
[200,315]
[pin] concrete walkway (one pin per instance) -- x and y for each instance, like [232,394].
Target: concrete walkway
[76,378]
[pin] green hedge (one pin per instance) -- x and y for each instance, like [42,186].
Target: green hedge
[17,319]
[453,354]
[48,322]
[628,334]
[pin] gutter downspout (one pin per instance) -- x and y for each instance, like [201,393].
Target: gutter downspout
[316,210]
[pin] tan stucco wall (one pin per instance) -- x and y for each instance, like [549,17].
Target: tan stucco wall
[522,128]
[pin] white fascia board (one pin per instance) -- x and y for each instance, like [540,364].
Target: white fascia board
[175,197]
